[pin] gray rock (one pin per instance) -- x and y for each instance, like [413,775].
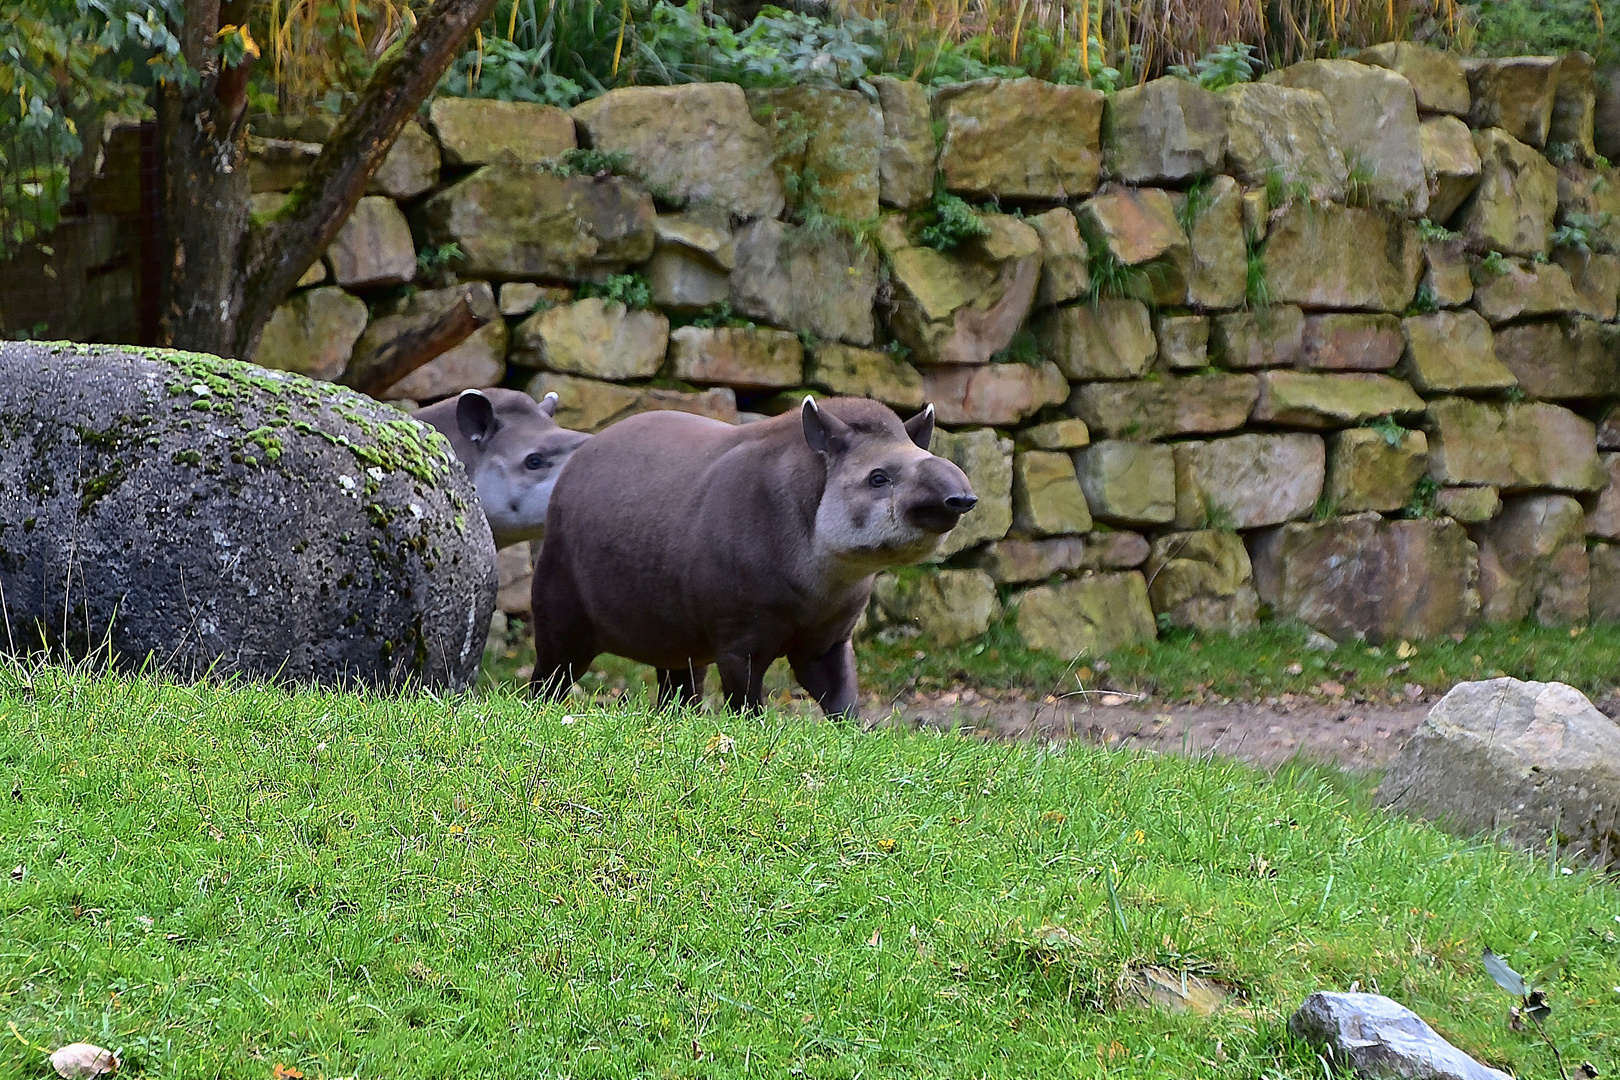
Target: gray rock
[798,279]
[1381,1038]
[596,337]
[827,143]
[1065,271]
[1533,562]
[1269,337]
[1514,93]
[1016,561]
[477,362]
[1183,341]
[1128,483]
[1530,759]
[1019,138]
[1437,77]
[152,480]
[411,167]
[374,246]
[1086,616]
[1283,130]
[987,459]
[1203,580]
[1247,481]
[1165,130]
[1450,165]
[906,161]
[947,606]
[477,131]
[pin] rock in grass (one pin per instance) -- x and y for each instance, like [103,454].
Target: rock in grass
[220,518]
[1380,1037]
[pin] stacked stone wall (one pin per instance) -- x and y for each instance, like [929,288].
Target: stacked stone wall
[1339,344]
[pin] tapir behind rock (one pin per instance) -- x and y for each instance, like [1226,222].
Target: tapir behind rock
[512,449]
[681,541]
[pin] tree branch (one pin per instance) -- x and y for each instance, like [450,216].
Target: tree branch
[277,255]
[375,373]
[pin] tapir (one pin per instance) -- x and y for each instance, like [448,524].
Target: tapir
[680,541]
[512,449]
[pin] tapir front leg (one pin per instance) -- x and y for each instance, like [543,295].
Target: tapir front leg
[831,679]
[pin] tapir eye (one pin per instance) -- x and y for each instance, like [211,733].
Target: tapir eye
[536,461]
[878,479]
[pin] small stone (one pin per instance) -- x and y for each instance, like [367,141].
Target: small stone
[987,459]
[1514,94]
[1451,166]
[1524,290]
[374,246]
[1155,409]
[519,298]
[1111,339]
[1451,351]
[596,337]
[411,167]
[1001,394]
[313,333]
[1128,483]
[1437,77]
[947,606]
[1512,209]
[1065,273]
[1347,342]
[1309,400]
[1342,257]
[514,573]
[1381,1038]
[1183,341]
[1608,430]
[1446,273]
[854,372]
[684,281]
[1203,580]
[1134,225]
[906,161]
[1466,445]
[1247,481]
[1056,435]
[1567,358]
[1164,131]
[1605,560]
[1019,138]
[1046,495]
[1016,562]
[1366,471]
[1086,616]
[1248,340]
[1469,505]
[1115,550]
[477,131]
[1551,447]
[704,231]
[748,357]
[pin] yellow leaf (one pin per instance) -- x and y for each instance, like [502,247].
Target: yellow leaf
[1405,650]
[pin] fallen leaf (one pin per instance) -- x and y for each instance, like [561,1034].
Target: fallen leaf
[720,744]
[80,1061]
[1331,689]
[1295,669]
[885,845]
[1405,650]
[1111,700]
[876,940]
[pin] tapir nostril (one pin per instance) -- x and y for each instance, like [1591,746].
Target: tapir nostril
[961,504]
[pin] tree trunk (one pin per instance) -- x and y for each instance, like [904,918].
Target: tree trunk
[225,280]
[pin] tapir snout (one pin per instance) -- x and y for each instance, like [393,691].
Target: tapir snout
[943,495]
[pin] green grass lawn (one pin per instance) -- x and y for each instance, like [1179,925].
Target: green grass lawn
[218,881]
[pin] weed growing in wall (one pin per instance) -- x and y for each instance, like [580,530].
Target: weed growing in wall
[632,290]
[1222,67]
[948,222]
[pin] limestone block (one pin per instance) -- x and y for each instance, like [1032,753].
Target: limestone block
[746,357]
[1267,337]
[1247,481]
[1603,521]
[692,144]
[1451,351]
[1128,483]
[1309,400]
[1349,342]
[1155,409]
[1111,339]
[704,231]
[1139,228]
[1377,1036]
[411,167]
[1087,616]
[906,160]
[1515,94]
[1203,580]
[478,362]
[1469,505]
[1551,447]
[802,279]
[947,606]
[1562,359]
[1525,290]
[1437,77]
[1532,560]
[596,337]
[374,246]
[1451,166]
[1183,341]
[1046,495]
[1370,578]
[1056,435]
[1065,273]
[853,372]
[590,405]
[517,221]
[1017,562]
[1019,138]
[1115,551]
[313,333]
[1217,275]
[1342,257]
[1000,394]
[987,459]
[964,306]
[1595,279]
[1285,131]
[1512,209]
[827,144]
[1163,131]
[1375,122]
[684,281]
[514,573]
[1604,591]
[1466,444]
[477,131]
[1367,471]
[1446,273]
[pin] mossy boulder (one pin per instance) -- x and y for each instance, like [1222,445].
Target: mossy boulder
[947,607]
[1451,351]
[906,161]
[591,405]
[746,357]
[1000,394]
[1512,208]
[1343,257]
[827,144]
[1046,495]
[1374,470]
[477,131]
[1065,259]
[596,337]
[313,333]
[803,279]
[1514,93]
[1311,400]
[1524,289]
[1217,272]
[1164,131]
[854,372]
[1128,483]
[1283,131]
[1247,481]
[1450,165]
[965,305]
[1019,138]
[1562,359]
[1087,616]
[1111,339]
[1158,408]
[1266,338]
[1203,580]
[1344,341]
[146,483]
[987,458]
[1436,76]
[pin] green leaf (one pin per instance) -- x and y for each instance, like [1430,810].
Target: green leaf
[1502,975]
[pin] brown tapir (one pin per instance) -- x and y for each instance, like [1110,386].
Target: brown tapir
[512,450]
[680,541]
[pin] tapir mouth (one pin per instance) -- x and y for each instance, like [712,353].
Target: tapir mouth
[934,518]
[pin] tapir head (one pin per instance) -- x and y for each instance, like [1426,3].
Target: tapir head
[887,500]
[514,453]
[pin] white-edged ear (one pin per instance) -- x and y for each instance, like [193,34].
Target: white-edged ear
[823,431]
[475,417]
[921,426]
[548,404]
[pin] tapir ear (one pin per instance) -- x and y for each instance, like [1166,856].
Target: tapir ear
[548,404]
[475,416]
[921,426]
[825,433]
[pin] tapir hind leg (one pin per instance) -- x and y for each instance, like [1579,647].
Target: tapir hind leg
[683,686]
[564,644]
[742,679]
[830,678]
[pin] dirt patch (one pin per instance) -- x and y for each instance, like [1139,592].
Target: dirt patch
[1354,736]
